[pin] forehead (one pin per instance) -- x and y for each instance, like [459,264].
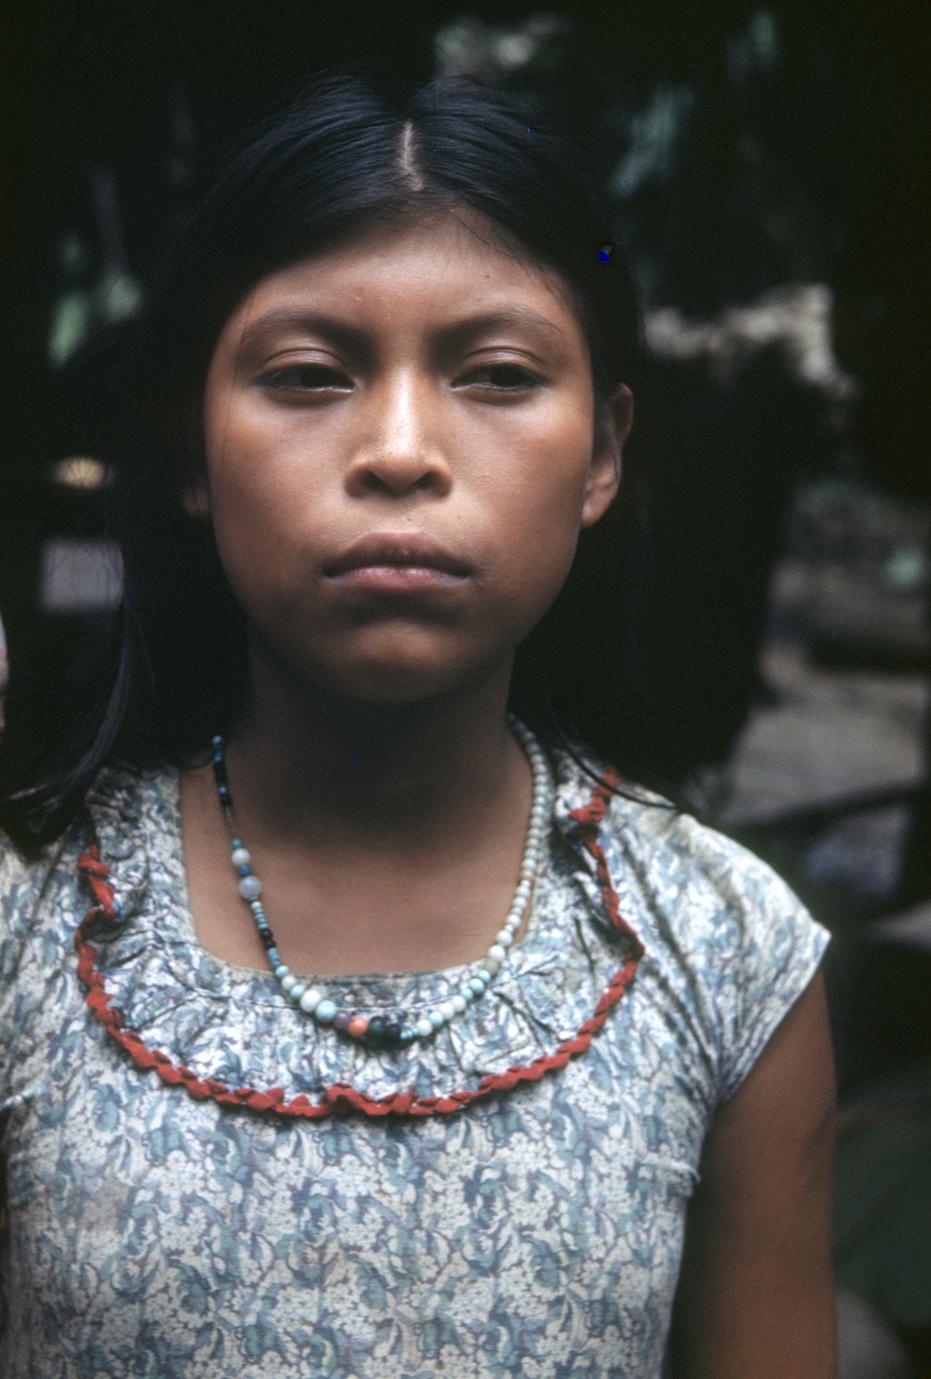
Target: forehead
[420,270]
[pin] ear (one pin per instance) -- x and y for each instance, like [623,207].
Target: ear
[604,473]
[195,499]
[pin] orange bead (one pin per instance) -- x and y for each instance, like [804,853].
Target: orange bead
[357,1026]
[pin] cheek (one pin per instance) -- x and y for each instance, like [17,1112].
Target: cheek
[545,493]
[254,457]
[538,531]
[264,492]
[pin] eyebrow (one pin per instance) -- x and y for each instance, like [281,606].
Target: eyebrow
[354,337]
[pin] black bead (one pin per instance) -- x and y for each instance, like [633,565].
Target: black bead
[225,796]
[392,1033]
[267,937]
[375,1034]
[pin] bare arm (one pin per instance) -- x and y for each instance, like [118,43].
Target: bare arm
[756,1291]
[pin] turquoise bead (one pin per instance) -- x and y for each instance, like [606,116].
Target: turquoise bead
[436,1019]
[325,1011]
[408,1035]
[477,985]
[297,992]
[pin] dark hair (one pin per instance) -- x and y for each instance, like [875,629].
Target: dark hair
[353,150]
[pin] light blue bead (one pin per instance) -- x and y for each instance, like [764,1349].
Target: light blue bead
[297,992]
[245,869]
[477,985]
[274,959]
[325,1011]
[236,843]
[282,970]
[436,1019]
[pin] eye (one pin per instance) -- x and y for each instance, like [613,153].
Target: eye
[524,379]
[300,378]
[305,378]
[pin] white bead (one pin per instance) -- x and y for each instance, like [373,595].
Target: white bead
[538,826]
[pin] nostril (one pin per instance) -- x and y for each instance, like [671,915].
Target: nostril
[400,474]
[397,483]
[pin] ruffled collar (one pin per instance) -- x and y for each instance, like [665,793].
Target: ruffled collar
[235,1026]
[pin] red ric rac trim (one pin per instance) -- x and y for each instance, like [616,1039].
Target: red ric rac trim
[340,1098]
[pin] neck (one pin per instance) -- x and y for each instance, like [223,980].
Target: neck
[305,766]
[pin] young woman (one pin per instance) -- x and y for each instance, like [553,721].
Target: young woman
[365,1008]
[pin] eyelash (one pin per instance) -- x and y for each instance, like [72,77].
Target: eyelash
[271,380]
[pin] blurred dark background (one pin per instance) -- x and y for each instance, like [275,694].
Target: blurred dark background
[767,167]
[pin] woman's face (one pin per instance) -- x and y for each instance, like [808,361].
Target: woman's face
[413,386]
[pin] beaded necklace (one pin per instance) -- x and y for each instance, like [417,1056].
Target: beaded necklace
[104,915]
[391,1032]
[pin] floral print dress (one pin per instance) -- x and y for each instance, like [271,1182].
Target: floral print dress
[536,1232]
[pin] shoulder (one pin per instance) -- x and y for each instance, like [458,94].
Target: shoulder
[30,908]
[22,881]
[723,931]
[36,892]
[715,889]
[712,882]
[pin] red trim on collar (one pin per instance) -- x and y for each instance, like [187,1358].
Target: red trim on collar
[340,1098]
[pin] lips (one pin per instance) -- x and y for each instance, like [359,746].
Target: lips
[404,549]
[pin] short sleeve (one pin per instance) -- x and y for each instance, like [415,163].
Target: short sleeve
[766,951]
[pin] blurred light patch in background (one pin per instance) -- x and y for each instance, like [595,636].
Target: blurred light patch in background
[81,471]
[80,576]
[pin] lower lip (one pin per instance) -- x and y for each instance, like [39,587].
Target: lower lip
[400,578]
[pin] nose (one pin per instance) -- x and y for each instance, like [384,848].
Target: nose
[400,453]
